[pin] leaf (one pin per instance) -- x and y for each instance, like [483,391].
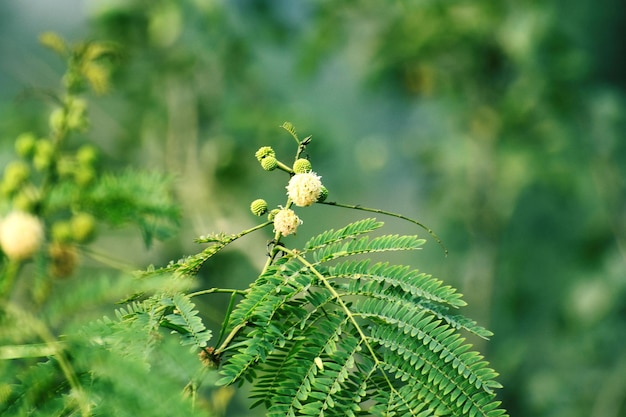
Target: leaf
[356,337]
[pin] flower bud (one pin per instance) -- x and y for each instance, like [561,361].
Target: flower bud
[263,152]
[25,145]
[15,174]
[269,163]
[62,231]
[286,222]
[301,166]
[272,214]
[323,195]
[304,189]
[44,151]
[87,155]
[21,235]
[258,207]
[83,226]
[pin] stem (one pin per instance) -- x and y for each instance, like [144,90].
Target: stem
[284,167]
[217,290]
[388,213]
[7,277]
[66,368]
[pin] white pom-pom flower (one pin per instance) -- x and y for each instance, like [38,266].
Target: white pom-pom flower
[286,222]
[21,235]
[304,189]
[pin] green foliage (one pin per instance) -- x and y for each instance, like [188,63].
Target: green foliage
[52,198]
[325,338]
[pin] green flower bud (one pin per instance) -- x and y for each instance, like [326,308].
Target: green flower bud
[15,173]
[57,119]
[269,163]
[25,145]
[84,176]
[87,155]
[323,194]
[44,151]
[258,207]
[272,214]
[62,231]
[301,166]
[77,114]
[264,152]
[83,226]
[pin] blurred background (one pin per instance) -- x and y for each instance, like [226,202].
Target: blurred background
[499,124]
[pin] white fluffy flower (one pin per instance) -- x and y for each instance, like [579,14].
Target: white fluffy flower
[21,235]
[304,189]
[286,222]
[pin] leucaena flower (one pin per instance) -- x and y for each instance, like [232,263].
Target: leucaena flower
[304,189]
[21,235]
[286,222]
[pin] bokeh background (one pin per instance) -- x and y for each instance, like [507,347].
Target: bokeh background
[499,124]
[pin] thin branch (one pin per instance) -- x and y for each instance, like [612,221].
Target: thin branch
[389,213]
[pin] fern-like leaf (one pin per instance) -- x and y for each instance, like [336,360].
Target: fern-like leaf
[184,319]
[340,337]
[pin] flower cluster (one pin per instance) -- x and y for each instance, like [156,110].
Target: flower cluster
[286,222]
[304,189]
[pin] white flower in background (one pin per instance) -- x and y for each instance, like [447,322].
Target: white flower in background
[21,235]
[286,222]
[304,189]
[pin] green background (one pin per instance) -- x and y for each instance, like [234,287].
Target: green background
[499,124]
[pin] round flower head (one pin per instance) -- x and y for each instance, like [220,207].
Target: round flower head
[263,152]
[286,222]
[301,166]
[269,163]
[258,207]
[21,235]
[304,189]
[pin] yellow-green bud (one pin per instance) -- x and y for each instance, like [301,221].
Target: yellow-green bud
[57,119]
[87,155]
[323,195]
[83,226]
[25,145]
[264,152]
[301,166]
[269,163]
[15,173]
[84,176]
[62,231]
[77,114]
[44,151]
[258,207]
[272,214]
